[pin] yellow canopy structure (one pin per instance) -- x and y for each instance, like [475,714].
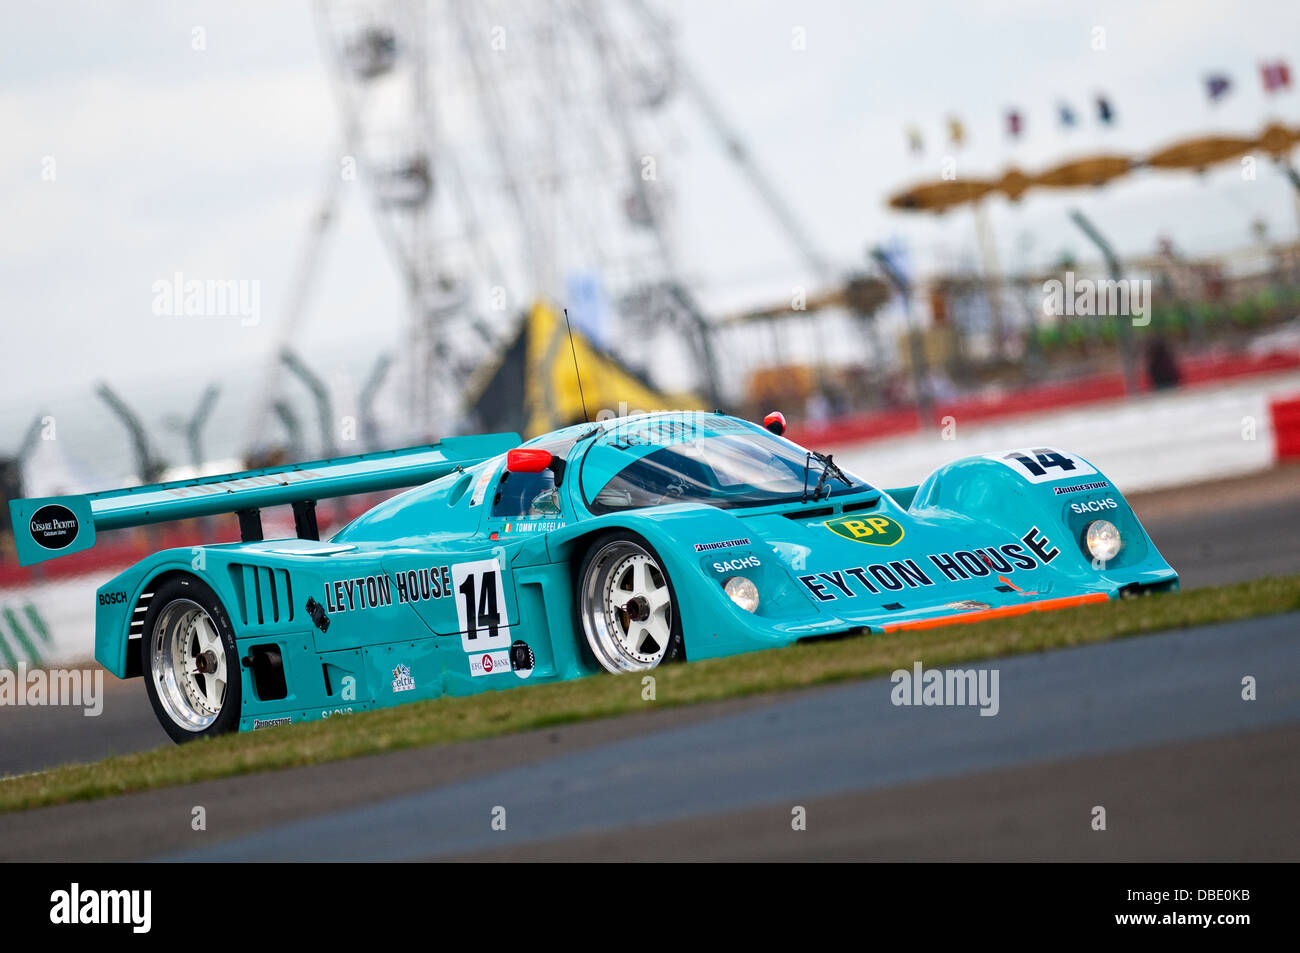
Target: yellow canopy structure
[1095,170]
[533,388]
[1197,153]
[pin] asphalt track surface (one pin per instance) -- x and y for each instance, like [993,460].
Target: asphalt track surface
[1153,729]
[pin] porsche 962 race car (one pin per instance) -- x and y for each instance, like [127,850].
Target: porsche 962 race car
[608,547]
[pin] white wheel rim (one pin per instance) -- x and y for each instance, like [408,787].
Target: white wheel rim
[627,609]
[188,665]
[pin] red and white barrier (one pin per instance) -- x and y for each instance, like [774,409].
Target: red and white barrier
[1284,412]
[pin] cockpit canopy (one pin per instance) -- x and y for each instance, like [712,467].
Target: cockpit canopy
[696,458]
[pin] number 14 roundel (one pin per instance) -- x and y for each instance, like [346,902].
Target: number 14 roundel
[481,605]
[1043,464]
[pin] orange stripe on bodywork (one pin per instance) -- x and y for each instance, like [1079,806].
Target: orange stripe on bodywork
[1041,605]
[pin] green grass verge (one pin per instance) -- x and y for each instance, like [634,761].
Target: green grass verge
[529,707]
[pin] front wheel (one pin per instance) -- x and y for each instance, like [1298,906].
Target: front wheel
[190,664]
[626,603]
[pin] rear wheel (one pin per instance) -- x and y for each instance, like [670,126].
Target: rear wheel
[627,606]
[189,660]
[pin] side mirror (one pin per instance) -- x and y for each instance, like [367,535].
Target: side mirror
[775,422]
[523,460]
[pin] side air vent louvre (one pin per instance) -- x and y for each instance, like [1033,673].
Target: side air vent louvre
[860,505]
[264,594]
[134,633]
[137,617]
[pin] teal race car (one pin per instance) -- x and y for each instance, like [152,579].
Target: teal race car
[613,547]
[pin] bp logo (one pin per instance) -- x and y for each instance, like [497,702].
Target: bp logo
[876,530]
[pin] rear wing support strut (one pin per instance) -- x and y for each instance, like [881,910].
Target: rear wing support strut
[250,525]
[304,522]
[304,519]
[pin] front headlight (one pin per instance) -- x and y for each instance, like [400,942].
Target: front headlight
[742,592]
[1102,540]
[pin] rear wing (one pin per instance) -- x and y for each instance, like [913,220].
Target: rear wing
[59,525]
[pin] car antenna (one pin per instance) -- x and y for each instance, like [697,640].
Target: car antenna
[586,418]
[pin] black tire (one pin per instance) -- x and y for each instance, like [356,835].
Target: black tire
[175,696]
[607,646]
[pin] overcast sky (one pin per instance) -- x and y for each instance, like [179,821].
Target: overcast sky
[210,162]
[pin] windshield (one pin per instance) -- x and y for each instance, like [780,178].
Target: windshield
[744,468]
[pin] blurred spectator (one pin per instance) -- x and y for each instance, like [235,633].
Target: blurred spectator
[941,389]
[818,407]
[895,390]
[1162,366]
